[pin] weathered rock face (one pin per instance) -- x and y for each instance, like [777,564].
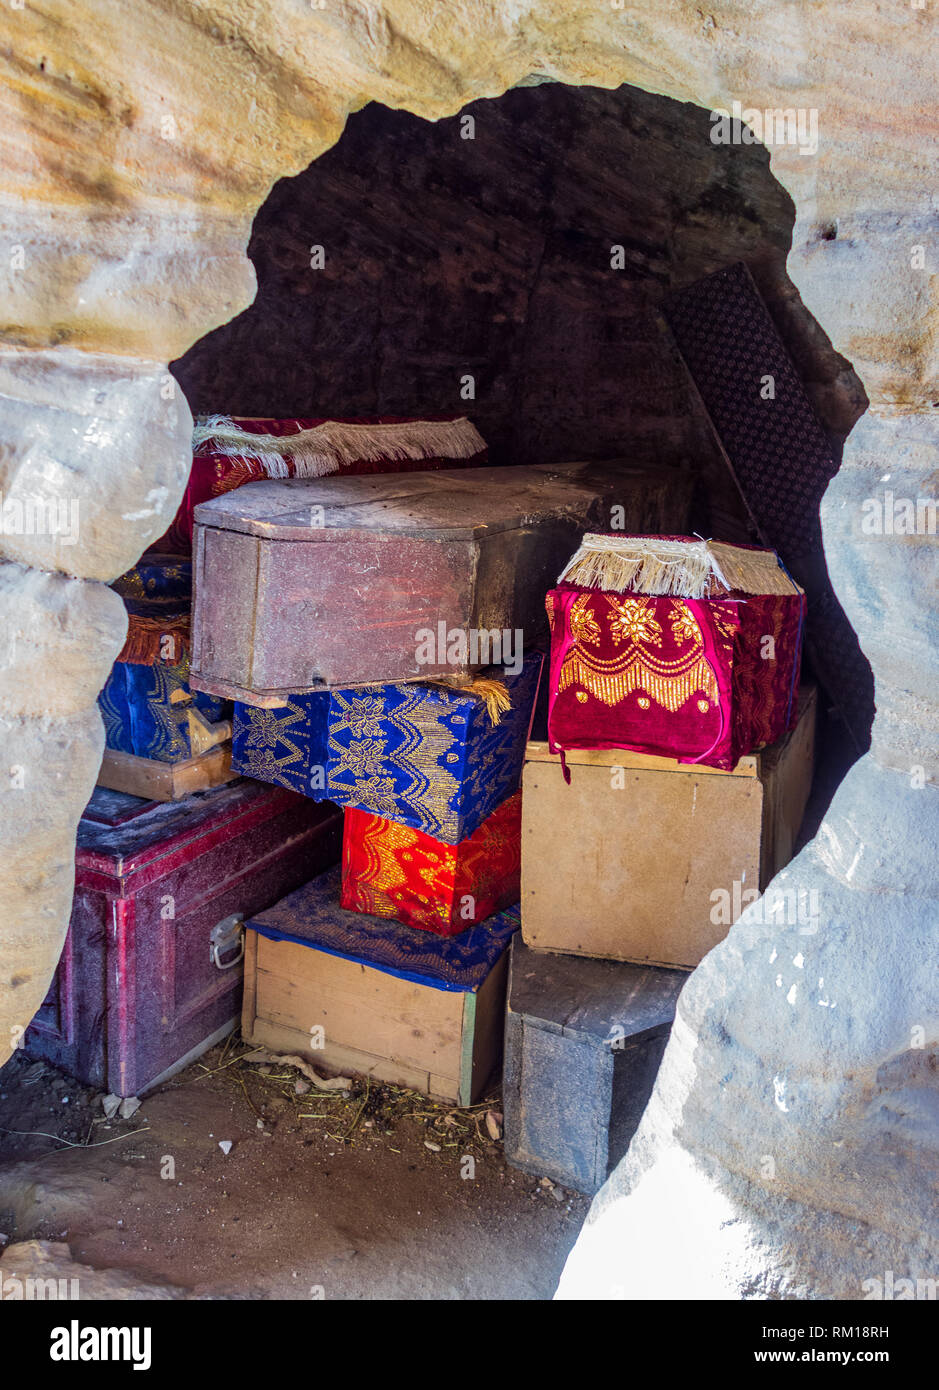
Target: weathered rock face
[137,148]
[791,1146]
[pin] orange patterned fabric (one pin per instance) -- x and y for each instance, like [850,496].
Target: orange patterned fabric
[392,870]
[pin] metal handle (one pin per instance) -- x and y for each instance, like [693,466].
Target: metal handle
[224,936]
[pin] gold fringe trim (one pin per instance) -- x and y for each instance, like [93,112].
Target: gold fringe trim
[324,448]
[144,644]
[494,693]
[680,569]
[670,689]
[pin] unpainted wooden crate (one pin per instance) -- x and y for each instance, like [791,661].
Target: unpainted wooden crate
[583,1043]
[362,994]
[631,860]
[154,780]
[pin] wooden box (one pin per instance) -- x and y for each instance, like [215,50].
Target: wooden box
[646,859]
[425,755]
[150,779]
[139,991]
[365,995]
[391,870]
[583,1043]
[306,584]
[150,712]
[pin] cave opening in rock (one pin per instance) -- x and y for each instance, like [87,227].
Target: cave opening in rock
[515,262]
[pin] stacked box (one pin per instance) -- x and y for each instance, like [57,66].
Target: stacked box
[392,870]
[649,821]
[384,1000]
[583,1043]
[157,593]
[163,739]
[311,584]
[436,759]
[150,975]
[150,712]
[674,852]
[674,647]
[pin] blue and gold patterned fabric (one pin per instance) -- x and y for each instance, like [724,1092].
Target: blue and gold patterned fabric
[156,584]
[145,710]
[422,755]
[312,917]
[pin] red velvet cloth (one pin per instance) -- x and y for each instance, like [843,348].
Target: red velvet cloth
[392,870]
[213,474]
[691,679]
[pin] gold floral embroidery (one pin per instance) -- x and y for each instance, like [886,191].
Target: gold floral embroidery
[584,626]
[634,622]
[670,682]
[481,864]
[386,846]
[683,624]
[726,621]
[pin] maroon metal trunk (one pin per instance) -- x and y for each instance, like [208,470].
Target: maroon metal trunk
[302,585]
[137,992]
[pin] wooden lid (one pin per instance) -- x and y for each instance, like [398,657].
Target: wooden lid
[449,504]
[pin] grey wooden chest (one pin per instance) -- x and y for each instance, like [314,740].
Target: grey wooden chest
[583,1043]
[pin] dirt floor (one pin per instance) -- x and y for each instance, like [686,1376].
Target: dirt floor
[375,1194]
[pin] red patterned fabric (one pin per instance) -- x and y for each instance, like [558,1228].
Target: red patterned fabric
[213,474]
[679,678]
[392,870]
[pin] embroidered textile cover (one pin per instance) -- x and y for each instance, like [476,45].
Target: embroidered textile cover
[157,594]
[313,917]
[391,870]
[214,473]
[418,754]
[156,581]
[677,677]
[146,710]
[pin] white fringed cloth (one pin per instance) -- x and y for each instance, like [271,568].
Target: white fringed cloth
[323,449]
[683,569]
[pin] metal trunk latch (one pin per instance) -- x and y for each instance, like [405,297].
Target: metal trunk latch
[227,935]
